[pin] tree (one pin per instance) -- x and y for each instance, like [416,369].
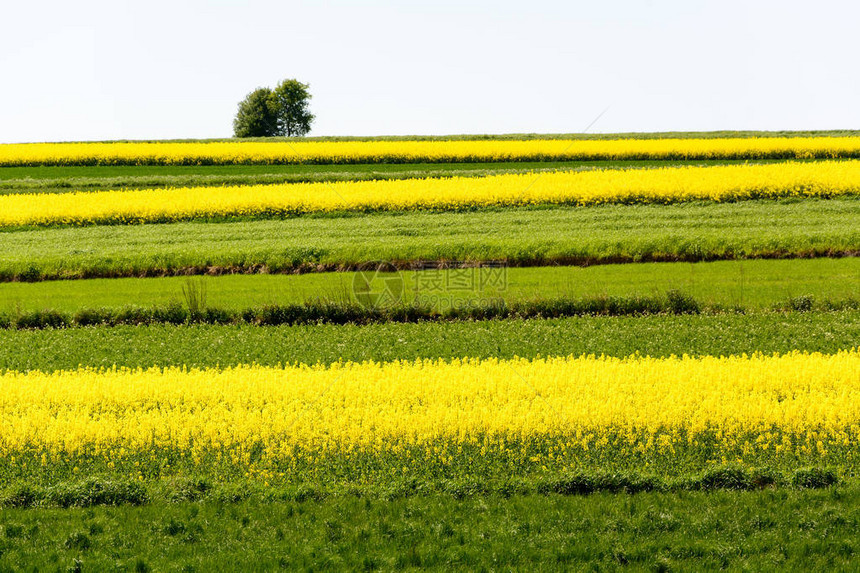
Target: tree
[290,101]
[257,115]
[282,111]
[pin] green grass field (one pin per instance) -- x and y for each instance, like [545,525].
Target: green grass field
[759,531]
[568,235]
[738,531]
[754,284]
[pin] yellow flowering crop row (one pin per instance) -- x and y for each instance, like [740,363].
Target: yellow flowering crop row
[235,152]
[733,182]
[782,405]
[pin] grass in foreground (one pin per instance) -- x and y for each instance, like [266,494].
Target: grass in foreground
[568,235]
[753,284]
[210,346]
[760,530]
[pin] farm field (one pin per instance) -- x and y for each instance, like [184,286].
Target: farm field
[557,424]
[569,235]
[397,353]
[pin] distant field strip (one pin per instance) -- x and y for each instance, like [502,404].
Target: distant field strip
[451,151]
[427,417]
[666,185]
[568,235]
[59,179]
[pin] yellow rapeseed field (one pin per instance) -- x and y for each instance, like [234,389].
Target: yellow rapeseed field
[563,408]
[733,182]
[239,152]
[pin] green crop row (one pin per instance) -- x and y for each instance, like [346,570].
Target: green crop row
[332,312]
[202,345]
[568,235]
[113,491]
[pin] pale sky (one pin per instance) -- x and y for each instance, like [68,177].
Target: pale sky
[158,69]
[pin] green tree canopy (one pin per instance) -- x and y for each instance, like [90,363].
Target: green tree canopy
[291,99]
[256,116]
[282,111]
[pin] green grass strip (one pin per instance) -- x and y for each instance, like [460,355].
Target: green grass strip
[202,345]
[763,530]
[116,491]
[325,312]
[568,235]
[753,284]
